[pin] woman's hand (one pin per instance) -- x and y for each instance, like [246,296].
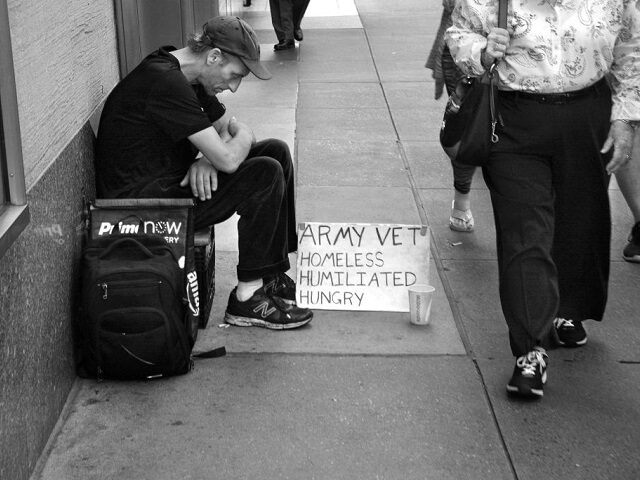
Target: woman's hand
[497,43]
[621,140]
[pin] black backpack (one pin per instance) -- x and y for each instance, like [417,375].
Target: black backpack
[133,322]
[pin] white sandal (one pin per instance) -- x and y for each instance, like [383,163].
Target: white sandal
[461,220]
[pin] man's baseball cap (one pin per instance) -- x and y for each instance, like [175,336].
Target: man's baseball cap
[234,36]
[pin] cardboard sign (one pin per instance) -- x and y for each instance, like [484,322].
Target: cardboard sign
[358,266]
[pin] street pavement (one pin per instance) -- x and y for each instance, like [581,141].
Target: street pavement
[367,395]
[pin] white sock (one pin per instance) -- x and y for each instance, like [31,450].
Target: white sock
[245,290]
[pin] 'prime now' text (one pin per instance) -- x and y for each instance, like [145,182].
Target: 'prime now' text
[167,229]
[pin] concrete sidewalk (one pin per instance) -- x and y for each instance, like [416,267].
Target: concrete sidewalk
[363,395]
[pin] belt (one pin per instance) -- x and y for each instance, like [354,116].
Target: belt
[556,98]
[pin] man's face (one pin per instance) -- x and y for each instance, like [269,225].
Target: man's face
[222,72]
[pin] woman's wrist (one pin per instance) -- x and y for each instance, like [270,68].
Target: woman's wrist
[632,123]
[486,60]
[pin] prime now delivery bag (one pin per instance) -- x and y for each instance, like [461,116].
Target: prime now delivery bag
[165,218]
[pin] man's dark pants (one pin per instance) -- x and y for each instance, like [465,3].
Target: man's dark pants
[286,16]
[262,192]
[548,188]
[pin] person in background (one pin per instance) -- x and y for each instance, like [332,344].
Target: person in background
[446,74]
[152,127]
[628,178]
[286,17]
[565,130]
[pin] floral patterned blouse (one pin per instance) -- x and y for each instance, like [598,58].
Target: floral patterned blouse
[556,46]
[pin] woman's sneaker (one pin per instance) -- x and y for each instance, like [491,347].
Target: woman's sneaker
[571,333]
[529,374]
[263,310]
[631,252]
[281,285]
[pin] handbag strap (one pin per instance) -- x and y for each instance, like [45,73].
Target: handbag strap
[503,7]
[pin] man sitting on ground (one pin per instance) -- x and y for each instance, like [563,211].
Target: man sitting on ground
[156,121]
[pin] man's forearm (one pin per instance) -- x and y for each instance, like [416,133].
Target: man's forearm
[225,144]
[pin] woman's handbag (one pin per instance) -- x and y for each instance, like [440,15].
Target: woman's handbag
[469,125]
[470,119]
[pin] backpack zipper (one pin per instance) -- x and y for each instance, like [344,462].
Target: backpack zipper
[130,283]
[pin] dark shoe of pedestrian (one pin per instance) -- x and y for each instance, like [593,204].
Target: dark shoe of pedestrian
[571,334]
[267,311]
[286,45]
[297,34]
[529,374]
[246,3]
[631,252]
[283,286]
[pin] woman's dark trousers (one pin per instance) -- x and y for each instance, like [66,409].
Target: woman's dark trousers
[548,188]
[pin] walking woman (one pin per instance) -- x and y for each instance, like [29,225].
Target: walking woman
[565,131]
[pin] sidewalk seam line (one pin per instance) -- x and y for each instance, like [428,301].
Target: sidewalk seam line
[503,441]
[439,267]
[422,212]
[346,354]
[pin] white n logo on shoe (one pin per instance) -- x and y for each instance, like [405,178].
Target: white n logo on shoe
[264,309]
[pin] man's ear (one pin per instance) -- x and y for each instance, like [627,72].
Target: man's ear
[214,55]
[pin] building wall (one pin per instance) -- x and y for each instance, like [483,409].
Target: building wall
[65,60]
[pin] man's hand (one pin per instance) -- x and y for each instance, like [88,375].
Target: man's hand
[225,136]
[497,43]
[203,179]
[236,128]
[621,139]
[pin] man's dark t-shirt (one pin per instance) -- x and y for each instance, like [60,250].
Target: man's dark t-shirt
[142,148]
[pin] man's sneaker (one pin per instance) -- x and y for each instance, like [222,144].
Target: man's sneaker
[631,252]
[263,310]
[529,374]
[281,285]
[570,333]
